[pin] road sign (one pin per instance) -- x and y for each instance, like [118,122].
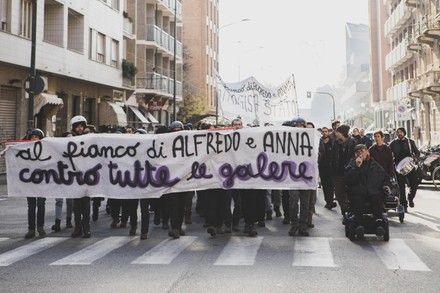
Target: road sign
[39,85]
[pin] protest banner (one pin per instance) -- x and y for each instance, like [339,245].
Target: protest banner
[256,103]
[147,166]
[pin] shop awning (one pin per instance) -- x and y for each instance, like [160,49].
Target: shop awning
[139,115]
[111,114]
[52,102]
[149,116]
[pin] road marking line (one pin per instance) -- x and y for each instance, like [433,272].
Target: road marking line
[313,252]
[4,238]
[240,251]
[271,227]
[30,249]
[166,251]
[397,255]
[95,251]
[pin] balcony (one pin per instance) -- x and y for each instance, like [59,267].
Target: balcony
[163,40]
[413,87]
[398,55]
[399,91]
[128,28]
[158,84]
[412,3]
[397,19]
[429,83]
[412,43]
[428,30]
[169,5]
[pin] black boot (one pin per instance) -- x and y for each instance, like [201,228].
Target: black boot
[69,222]
[77,232]
[57,226]
[86,230]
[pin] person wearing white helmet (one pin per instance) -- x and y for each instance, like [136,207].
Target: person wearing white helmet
[78,124]
[36,203]
[81,206]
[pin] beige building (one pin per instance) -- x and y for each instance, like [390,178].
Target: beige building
[412,28]
[157,53]
[200,35]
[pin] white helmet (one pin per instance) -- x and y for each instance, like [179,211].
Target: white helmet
[75,121]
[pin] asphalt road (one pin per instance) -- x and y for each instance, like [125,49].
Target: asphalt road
[112,261]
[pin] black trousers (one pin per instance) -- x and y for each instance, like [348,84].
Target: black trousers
[234,217]
[116,206]
[81,210]
[357,205]
[412,180]
[215,203]
[327,184]
[132,207]
[146,203]
[252,205]
[174,204]
[285,199]
[39,204]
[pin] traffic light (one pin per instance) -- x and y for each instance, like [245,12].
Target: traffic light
[309,95]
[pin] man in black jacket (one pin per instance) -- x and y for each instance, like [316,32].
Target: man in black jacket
[366,181]
[342,153]
[402,148]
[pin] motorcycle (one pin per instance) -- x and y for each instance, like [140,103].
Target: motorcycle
[428,161]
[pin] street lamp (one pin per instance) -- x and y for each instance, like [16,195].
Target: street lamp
[309,95]
[235,22]
[174,61]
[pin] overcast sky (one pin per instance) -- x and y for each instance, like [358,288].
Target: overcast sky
[283,37]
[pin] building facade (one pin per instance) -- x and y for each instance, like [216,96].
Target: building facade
[201,36]
[412,29]
[90,65]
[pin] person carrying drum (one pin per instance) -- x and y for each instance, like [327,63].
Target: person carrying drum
[406,155]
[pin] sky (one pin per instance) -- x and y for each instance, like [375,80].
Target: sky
[284,37]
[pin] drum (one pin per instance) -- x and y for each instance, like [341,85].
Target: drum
[405,166]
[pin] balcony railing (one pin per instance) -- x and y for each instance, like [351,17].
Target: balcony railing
[160,83]
[399,91]
[398,55]
[171,5]
[397,19]
[163,39]
[128,26]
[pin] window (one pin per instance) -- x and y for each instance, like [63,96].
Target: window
[53,23]
[115,53]
[75,31]
[4,12]
[100,48]
[115,4]
[26,19]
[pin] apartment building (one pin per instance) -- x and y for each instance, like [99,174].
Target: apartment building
[157,53]
[201,35]
[413,32]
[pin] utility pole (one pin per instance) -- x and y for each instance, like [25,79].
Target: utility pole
[32,71]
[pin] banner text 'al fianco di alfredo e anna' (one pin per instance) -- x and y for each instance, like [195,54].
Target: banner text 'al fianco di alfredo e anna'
[147,166]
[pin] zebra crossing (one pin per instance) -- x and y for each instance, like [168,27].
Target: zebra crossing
[237,251]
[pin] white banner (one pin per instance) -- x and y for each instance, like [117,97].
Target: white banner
[255,103]
[147,166]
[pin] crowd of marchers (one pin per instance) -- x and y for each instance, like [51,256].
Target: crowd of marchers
[354,169]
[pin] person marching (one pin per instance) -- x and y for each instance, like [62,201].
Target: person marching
[36,203]
[325,168]
[81,206]
[403,148]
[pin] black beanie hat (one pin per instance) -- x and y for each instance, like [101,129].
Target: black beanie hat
[402,129]
[344,129]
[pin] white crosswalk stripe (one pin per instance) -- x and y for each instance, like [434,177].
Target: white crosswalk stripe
[95,251]
[166,251]
[313,252]
[30,249]
[397,255]
[240,251]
